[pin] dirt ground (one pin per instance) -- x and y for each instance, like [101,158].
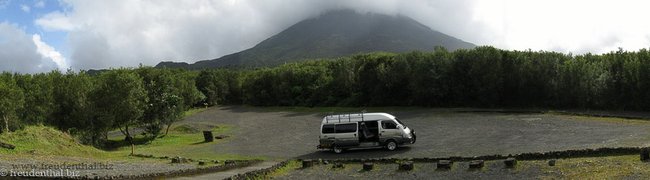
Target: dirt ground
[441,133]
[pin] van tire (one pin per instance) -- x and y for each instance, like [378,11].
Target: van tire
[337,150]
[414,138]
[391,145]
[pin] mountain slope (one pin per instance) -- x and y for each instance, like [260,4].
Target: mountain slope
[335,34]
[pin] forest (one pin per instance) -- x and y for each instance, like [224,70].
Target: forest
[88,105]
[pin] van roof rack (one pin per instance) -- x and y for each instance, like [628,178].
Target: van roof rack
[343,117]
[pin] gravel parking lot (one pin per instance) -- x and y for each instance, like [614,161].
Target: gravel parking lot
[441,133]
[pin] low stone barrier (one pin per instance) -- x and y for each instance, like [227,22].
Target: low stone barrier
[176,173]
[522,156]
[258,173]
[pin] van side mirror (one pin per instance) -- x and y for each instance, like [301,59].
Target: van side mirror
[399,126]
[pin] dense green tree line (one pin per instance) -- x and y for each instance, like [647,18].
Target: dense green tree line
[89,106]
[480,77]
[153,99]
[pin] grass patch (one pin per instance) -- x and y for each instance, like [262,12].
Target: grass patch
[282,171]
[181,141]
[606,167]
[186,129]
[604,119]
[194,111]
[47,141]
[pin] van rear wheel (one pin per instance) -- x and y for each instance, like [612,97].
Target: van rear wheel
[391,145]
[338,150]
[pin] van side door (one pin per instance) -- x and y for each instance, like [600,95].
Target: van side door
[346,134]
[388,130]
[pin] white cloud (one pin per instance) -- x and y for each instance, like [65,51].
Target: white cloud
[18,53]
[39,4]
[25,8]
[48,51]
[55,21]
[114,33]
[577,26]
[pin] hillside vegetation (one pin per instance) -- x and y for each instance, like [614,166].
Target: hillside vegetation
[47,141]
[88,106]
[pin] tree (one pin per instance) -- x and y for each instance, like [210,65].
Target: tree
[165,104]
[11,100]
[120,98]
[39,97]
[185,83]
[71,109]
[211,84]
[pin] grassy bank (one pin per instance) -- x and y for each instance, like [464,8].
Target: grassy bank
[181,141]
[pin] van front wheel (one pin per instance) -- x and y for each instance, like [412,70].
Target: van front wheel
[391,145]
[337,150]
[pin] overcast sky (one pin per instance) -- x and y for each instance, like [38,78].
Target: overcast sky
[41,35]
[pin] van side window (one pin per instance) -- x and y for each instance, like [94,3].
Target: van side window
[346,128]
[328,129]
[388,125]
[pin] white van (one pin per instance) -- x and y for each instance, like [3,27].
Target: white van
[363,130]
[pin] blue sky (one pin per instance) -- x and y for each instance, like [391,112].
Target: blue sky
[23,13]
[42,35]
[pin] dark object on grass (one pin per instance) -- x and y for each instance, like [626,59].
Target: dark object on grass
[406,166]
[307,163]
[207,136]
[510,162]
[338,165]
[8,146]
[229,162]
[444,164]
[179,160]
[201,162]
[476,164]
[551,162]
[368,166]
[645,154]
[221,137]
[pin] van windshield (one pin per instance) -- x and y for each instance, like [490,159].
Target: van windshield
[400,122]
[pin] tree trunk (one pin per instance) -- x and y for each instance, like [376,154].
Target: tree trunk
[128,134]
[6,123]
[167,131]
[122,131]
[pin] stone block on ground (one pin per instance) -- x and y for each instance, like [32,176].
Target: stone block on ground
[306,163]
[510,162]
[645,154]
[221,137]
[338,165]
[444,164]
[368,166]
[476,164]
[406,166]
[207,136]
[7,145]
